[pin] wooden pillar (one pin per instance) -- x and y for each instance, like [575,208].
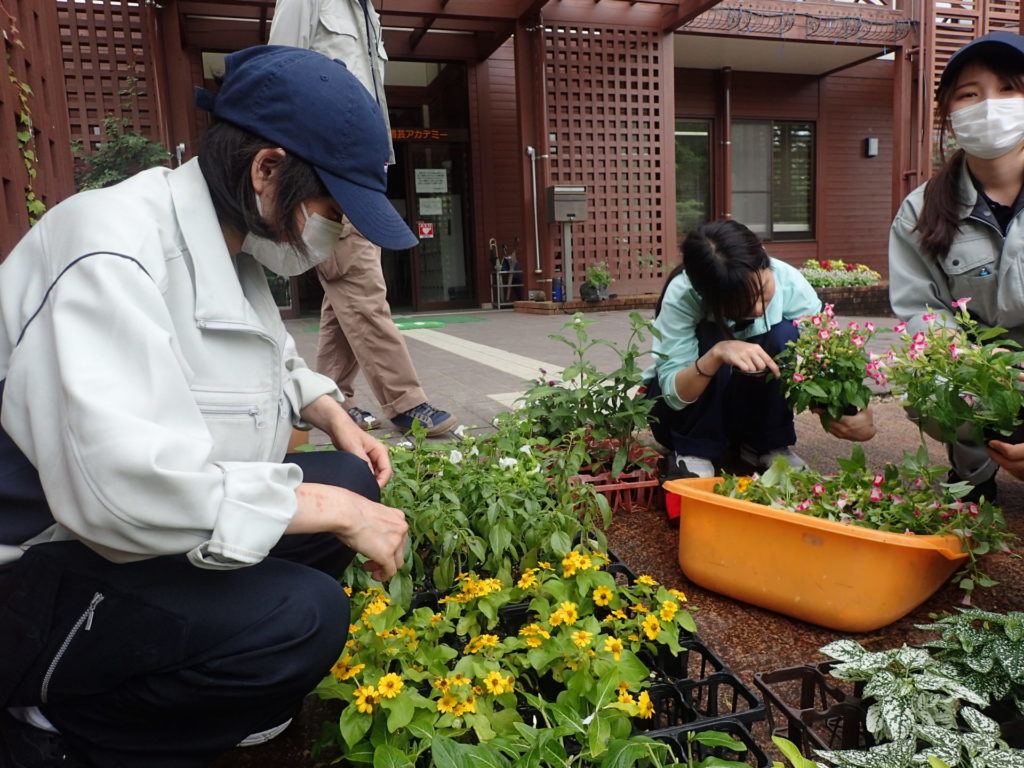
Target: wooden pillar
[723,191]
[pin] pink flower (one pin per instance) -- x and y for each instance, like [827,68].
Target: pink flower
[818,489]
[876,494]
[878,479]
[930,317]
[955,351]
[918,337]
[869,327]
[899,327]
[798,377]
[829,310]
[797,322]
[833,324]
[853,326]
[858,341]
[961,303]
[816,320]
[968,398]
[824,334]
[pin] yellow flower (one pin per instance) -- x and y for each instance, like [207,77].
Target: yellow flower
[535,629]
[633,638]
[646,580]
[569,612]
[436,619]
[678,595]
[618,613]
[534,642]
[581,638]
[366,697]
[742,484]
[528,579]
[447,703]
[638,608]
[347,591]
[480,642]
[496,684]
[651,626]
[469,705]
[669,609]
[544,566]
[460,679]
[626,697]
[389,686]
[573,562]
[602,595]
[442,683]
[342,670]
[377,606]
[614,646]
[646,707]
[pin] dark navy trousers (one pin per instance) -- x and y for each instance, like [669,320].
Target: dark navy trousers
[734,409]
[160,664]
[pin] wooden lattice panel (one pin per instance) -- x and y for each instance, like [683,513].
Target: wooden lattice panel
[606,114]
[36,64]
[103,45]
[957,24]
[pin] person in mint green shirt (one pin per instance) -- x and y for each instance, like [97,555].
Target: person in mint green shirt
[723,316]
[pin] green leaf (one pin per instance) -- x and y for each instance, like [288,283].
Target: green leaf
[400,711]
[354,725]
[598,732]
[388,756]
[719,739]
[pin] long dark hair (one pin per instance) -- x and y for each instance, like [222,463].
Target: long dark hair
[939,221]
[721,259]
[225,158]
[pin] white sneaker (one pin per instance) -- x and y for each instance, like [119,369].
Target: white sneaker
[689,466]
[764,460]
[255,739]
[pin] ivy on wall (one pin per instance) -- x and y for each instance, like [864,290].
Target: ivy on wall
[25,132]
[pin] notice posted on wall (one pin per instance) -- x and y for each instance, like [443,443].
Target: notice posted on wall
[431,206]
[426,230]
[431,181]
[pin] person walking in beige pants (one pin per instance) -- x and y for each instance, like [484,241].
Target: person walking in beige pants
[356,329]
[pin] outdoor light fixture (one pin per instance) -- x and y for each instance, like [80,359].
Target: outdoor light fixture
[871,147]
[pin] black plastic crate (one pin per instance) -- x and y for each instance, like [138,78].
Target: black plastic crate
[813,710]
[694,662]
[722,695]
[682,748]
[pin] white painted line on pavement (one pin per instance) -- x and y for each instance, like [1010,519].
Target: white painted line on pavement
[524,368]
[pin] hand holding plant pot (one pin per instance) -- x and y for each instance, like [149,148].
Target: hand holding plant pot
[824,370]
[959,383]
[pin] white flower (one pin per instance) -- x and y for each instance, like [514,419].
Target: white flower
[506,462]
[403,444]
[524,449]
[474,451]
[459,431]
[455,456]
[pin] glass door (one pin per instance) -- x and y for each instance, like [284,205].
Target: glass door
[437,194]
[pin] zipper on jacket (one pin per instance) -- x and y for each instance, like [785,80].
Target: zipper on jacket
[84,623]
[252,411]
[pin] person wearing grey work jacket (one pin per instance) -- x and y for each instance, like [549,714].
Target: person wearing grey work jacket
[168,580]
[356,328]
[961,234]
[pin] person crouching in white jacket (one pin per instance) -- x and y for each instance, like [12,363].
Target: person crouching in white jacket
[168,579]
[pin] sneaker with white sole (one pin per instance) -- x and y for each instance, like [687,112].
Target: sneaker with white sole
[364,419]
[679,466]
[434,419]
[761,461]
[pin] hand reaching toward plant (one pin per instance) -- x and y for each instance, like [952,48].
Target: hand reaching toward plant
[744,356]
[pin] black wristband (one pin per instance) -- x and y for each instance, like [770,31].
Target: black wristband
[699,371]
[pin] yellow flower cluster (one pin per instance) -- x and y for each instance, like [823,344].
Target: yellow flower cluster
[471,588]
[602,595]
[566,614]
[344,669]
[366,697]
[742,483]
[496,684]
[534,634]
[480,642]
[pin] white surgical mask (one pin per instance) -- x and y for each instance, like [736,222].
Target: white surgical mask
[318,233]
[991,128]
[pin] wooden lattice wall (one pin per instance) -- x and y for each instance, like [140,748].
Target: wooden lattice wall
[958,23]
[608,100]
[28,28]
[104,47]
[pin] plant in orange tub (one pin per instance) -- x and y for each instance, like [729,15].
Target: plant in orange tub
[852,551]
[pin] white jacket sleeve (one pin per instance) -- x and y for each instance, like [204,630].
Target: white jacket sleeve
[98,398]
[294,23]
[305,385]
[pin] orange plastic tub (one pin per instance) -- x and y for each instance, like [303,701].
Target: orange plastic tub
[834,575]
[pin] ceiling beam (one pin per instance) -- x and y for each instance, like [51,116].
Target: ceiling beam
[685,11]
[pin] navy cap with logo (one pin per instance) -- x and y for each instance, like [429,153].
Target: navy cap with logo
[1002,45]
[312,106]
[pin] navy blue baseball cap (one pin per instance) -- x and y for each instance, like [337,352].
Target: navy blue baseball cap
[1002,45]
[312,106]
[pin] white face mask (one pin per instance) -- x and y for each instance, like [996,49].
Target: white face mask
[318,233]
[991,128]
